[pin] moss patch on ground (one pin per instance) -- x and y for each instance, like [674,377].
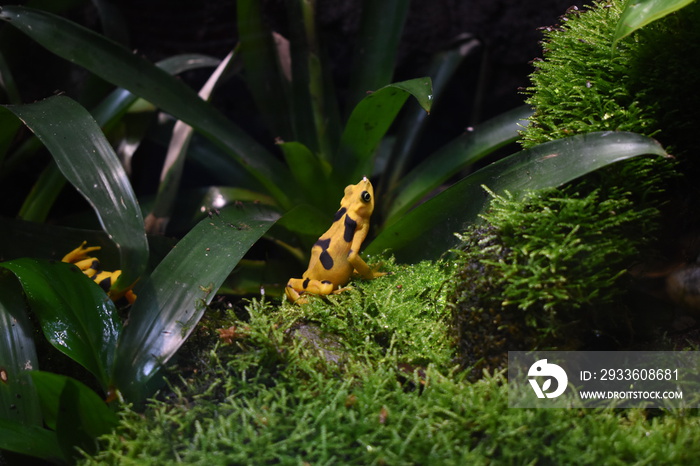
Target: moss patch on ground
[368,377]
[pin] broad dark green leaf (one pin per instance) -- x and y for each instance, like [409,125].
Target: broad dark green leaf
[75,314]
[76,413]
[172,300]
[370,121]
[18,400]
[86,159]
[30,440]
[639,13]
[427,231]
[455,156]
[117,65]
[119,100]
[381,26]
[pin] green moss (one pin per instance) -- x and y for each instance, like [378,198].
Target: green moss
[565,252]
[551,271]
[581,86]
[271,397]
[544,272]
[646,85]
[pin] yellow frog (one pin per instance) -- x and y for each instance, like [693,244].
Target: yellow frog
[336,254]
[91,267]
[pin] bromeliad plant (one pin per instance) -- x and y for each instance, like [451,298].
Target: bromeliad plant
[320,153]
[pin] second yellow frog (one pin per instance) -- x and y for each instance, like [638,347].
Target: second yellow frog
[336,254]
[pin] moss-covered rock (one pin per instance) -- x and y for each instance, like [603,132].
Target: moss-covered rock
[550,272]
[646,84]
[543,273]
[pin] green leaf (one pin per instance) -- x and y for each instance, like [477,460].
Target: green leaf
[118,65]
[370,121]
[306,220]
[313,95]
[381,26]
[113,22]
[639,13]
[39,201]
[86,159]
[76,413]
[18,399]
[75,314]
[310,174]
[171,173]
[414,119]
[8,128]
[427,231]
[455,156]
[118,101]
[172,300]
[263,67]
[8,83]
[30,440]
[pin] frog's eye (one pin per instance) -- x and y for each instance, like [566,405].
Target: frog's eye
[365,196]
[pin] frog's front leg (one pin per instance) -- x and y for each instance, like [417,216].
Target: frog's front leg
[298,286]
[358,264]
[362,269]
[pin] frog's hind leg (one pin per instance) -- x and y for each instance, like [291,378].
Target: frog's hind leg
[296,287]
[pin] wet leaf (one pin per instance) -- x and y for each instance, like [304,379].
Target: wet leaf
[18,400]
[75,314]
[173,299]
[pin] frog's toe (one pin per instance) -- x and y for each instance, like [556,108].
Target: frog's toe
[340,290]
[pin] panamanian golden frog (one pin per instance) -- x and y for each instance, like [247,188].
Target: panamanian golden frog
[336,254]
[91,267]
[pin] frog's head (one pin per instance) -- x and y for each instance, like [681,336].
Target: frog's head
[359,198]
